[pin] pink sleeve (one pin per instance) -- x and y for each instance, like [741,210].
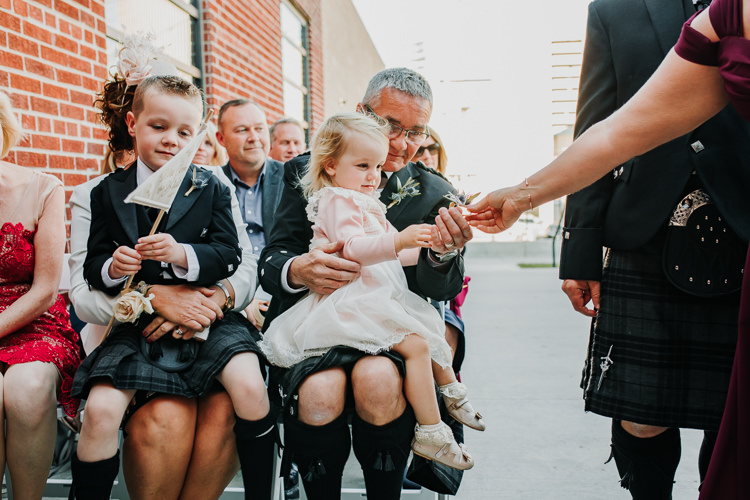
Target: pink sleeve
[340,219]
[409,257]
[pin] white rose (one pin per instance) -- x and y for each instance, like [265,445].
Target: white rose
[130,306]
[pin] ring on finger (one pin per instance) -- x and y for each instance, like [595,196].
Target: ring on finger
[179,332]
[450,244]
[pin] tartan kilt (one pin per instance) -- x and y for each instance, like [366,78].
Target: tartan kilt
[120,359]
[670,353]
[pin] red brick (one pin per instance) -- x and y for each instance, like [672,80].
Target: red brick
[87,19]
[25,83]
[97,7]
[9,22]
[38,33]
[31,159]
[43,124]
[67,44]
[19,102]
[28,122]
[45,142]
[59,126]
[22,44]
[70,179]
[3,39]
[50,19]
[100,133]
[4,79]
[76,32]
[66,9]
[87,52]
[39,68]
[71,129]
[88,36]
[12,61]
[79,64]
[55,56]
[58,161]
[5,4]
[55,91]
[95,149]
[72,146]
[70,111]
[36,13]
[45,3]
[65,26]
[68,77]
[21,8]
[87,164]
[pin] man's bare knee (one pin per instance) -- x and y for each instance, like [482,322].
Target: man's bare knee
[642,431]
[322,396]
[378,390]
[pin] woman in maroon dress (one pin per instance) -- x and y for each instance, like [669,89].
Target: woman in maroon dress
[38,347]
[708,68]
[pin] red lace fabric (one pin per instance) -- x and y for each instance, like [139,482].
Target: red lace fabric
[49,338]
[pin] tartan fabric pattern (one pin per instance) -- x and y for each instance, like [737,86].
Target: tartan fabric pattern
[120,360]
[670,354]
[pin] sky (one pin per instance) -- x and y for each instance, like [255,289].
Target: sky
[489,65]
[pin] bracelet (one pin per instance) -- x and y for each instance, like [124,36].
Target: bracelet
[229,303]
[526,181]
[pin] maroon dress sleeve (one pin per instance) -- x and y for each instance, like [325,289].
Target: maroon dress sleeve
[695,47]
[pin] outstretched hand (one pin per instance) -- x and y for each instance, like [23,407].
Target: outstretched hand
[497,211]
[414,236]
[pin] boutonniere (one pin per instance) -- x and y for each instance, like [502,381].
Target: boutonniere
[198,182]
[133,302]
[460,199]
[408,190]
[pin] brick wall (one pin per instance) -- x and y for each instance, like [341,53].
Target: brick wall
[242,51]
[52,62]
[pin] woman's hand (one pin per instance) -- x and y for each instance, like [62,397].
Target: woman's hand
[414,236]
[498,211]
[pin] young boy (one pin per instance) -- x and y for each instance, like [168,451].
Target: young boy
[195,243]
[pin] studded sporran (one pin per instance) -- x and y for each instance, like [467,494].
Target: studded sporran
[702,255]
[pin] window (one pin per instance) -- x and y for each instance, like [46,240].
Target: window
[294,64]
[174,24]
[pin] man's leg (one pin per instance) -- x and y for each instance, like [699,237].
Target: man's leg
[318,439]
[383,426]
[646,458]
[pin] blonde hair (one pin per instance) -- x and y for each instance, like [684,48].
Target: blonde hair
[12,131]
[442,163]
[331,141]
[220,154]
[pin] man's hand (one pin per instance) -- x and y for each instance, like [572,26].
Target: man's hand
[322,272]
[451,231]
[256,312]
[580,292]
[185,306]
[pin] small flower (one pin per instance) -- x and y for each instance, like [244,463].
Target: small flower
[198,182]
[130,305]
[408,190]
[460,199]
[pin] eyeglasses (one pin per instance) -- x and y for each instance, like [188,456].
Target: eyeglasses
[416,137]
[432,149]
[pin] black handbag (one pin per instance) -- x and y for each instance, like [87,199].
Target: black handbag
[702,256]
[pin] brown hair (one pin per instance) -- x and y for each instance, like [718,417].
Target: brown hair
[114,102]
[173,85]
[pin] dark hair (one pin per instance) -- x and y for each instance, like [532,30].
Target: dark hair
[233,103]
[114,102]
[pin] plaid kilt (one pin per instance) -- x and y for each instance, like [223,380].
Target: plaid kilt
[120,359]
[666,356]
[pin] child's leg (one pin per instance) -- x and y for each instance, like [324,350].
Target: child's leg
[103,413]
[454,395]
[96,463]
[418,383]
[443,376]
[255,424]
[243,380]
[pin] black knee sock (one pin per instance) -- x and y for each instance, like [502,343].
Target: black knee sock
[255,447]
[320,453]
[93,480]
[704,457]
[646,465]
[382,451]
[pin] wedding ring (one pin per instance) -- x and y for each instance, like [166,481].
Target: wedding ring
[179,332]
[450,244]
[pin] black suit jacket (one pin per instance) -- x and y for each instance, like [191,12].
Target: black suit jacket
[272,185]
[203,219]
[626,40]
[293,232]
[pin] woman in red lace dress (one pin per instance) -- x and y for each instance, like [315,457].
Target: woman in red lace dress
[38,348]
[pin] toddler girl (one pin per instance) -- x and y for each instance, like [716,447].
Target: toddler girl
[376,312]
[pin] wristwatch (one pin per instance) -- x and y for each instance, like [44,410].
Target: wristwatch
[229,303]
[446,256]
